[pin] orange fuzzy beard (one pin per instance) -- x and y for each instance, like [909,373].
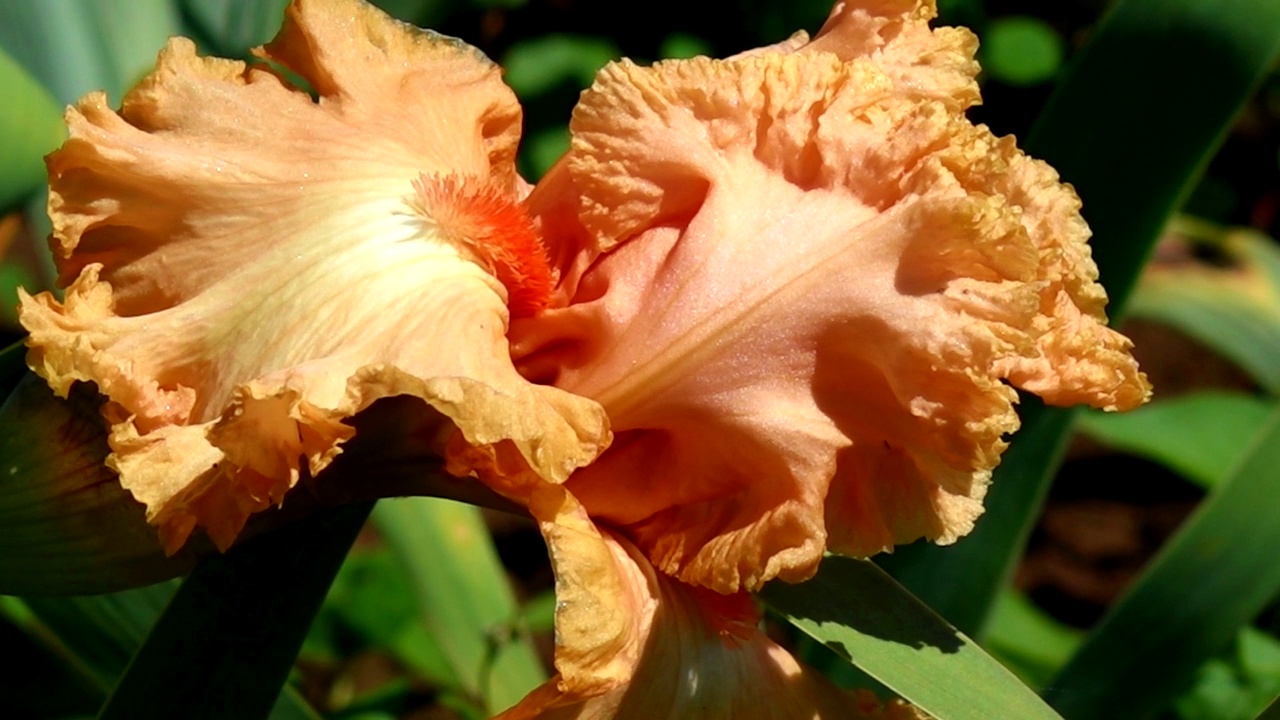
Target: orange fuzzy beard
[484,219]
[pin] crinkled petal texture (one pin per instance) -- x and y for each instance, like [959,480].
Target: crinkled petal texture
[634,644]
[802,284]
[248,267]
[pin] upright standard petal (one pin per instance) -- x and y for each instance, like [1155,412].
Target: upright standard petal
[803,286]
[249,267]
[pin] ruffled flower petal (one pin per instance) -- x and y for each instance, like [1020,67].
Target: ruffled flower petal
[249,267]
[922,62]
[804,286]
[632,643]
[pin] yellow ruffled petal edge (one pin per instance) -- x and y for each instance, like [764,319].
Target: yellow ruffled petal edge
[804,287]
[634,644]
[249,268]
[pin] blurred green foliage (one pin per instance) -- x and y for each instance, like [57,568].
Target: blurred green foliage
[1021,50]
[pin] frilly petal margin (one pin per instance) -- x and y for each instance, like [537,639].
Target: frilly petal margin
[799,280]
[633,644]
[249,268]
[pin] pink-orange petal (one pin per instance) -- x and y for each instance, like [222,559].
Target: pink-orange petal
[801,284]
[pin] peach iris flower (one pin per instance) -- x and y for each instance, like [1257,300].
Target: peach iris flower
[766,307]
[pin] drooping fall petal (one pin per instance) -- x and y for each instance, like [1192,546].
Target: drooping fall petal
[633,644]
[803,286]
[249,267]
